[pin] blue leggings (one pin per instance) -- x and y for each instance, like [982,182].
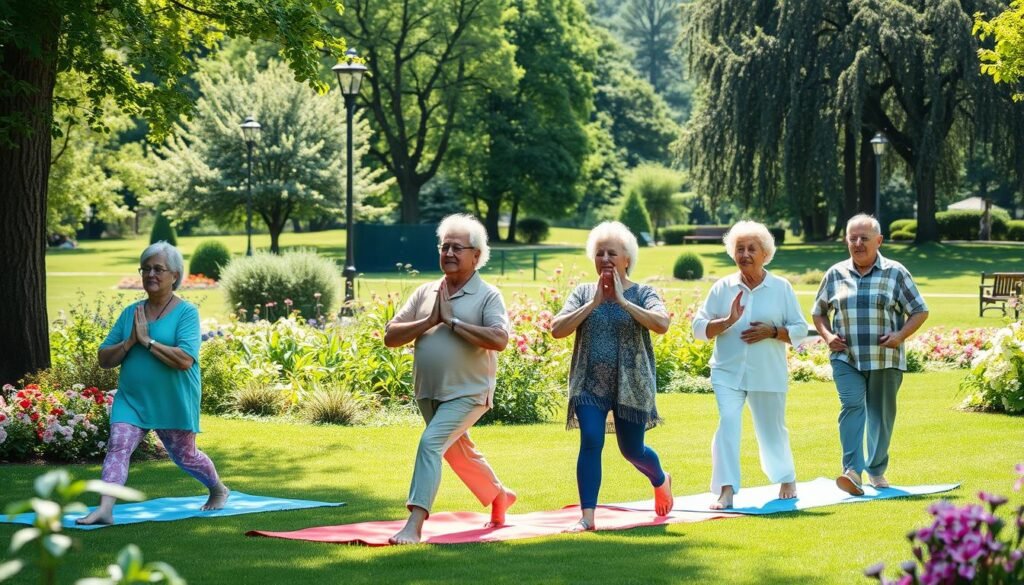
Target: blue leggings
[631,443]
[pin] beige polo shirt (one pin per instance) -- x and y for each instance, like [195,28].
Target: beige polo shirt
[445,366]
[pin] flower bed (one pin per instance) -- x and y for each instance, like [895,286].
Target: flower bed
[994,382]
[66,426]
[190,282]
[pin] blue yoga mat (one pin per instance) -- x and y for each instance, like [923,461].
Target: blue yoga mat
[168,509]
[810,494]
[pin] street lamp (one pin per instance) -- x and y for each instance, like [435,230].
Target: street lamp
[878,144]
[350,76]
[251,133]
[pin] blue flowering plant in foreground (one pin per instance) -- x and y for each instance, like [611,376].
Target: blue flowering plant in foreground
[966,544]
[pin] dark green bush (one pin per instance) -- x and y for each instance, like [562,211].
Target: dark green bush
[902,236]
[965,224]
[688,267]
[222,374]
[310,282]
[634,215]
[163,231]
[903,225]
[779,234]
[532,230]
[209,258]
[673,235]
[1015,230]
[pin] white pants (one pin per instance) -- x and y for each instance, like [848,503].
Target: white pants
[769,413]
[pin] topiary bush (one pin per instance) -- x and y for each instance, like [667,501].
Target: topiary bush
[209,258]
[532,230]
[673,235]
[266,286]
[902,236]
[779,234]
[903,225]
[163,231]
[688,266]
[1015,230]
[965,224]
[634,216]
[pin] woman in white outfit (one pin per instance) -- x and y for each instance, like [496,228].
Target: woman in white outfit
[751,315]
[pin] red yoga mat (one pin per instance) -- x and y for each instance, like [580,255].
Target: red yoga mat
[466,527]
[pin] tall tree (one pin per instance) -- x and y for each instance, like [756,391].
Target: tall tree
[659,188]
[652,27]
[427,60]
[299,161]
[1004,60]
[38,40]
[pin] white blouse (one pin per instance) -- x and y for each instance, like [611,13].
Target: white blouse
[756,367]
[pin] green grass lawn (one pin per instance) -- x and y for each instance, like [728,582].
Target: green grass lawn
[948,274]
[370,468]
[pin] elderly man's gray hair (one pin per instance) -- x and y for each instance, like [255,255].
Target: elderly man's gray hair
[463,223]
[864,218]
[175,263]
[750,229]
[616,231]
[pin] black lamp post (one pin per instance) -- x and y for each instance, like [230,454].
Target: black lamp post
[350,76]
[251,133]
[878,144]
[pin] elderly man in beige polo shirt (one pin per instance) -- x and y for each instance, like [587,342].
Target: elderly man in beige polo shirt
[458,324]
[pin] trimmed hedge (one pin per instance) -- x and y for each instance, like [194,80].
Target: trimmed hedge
[532,230]
[634,216]
[310,282]
[209,258]
[1015,230]
[163,231]
[779,234]
[903,225]
[964,224]
[903,235]
[688,266]
[673,235]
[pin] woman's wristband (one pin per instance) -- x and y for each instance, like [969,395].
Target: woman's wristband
[775,332]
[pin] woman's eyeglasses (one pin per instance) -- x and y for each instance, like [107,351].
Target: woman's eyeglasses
[157,270]
[454,248]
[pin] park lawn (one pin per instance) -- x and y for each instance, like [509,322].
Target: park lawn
[370,468]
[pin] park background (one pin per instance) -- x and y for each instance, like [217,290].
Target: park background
[121,122]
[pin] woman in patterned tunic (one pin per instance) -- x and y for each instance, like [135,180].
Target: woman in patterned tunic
[613,366]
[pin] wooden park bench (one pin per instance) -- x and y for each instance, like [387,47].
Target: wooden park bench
[996,290]
[706,233]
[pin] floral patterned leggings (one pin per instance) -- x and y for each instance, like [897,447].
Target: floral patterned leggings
[181,446]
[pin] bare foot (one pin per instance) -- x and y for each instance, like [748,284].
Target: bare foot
[97,517]
[787,490]
[218,496]
[582,525]
[663,499]
[724,499]
[502,502]
[412,532]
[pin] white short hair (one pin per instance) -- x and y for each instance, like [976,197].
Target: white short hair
[614,230]
[175,263]
[750,229]
[463,223]
[864,218]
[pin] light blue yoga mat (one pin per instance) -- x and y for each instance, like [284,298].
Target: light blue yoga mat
[168,509]
[810,494]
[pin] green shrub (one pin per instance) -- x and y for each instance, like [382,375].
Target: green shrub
[222,373]
[634,216]
[75,338]
[332,407]
[905,225]
[309,282]
[965,224]
[684,382]
[902,236]
[259,399]
[163,231]
[779,234]
[209,257]
[688,266]
[673,235]
[532,230]
[1015,230]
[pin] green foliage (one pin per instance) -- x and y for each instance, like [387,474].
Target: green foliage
[994,382]
[684,382]
[258,399]
[688,266]
[673,235]
[652,29]
[965,224]
[657,186]
[533,230]
[1015,230]
[75,339]
[209,258]
[222,373]
[332,407]
[634,216]
[908,225]
[903,235]
[163,230]
[778,234]
[678,356]
[299,162]
[296,280]
[1004,62]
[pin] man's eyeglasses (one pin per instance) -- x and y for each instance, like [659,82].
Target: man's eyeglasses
[157,270]
[454,248]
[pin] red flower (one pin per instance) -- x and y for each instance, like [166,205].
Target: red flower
[34,416]
[25,404]
[56,412]
[32,387]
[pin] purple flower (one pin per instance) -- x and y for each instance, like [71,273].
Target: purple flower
[994,500]
[875,571]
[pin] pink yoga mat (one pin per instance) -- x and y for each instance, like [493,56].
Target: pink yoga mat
[466,527]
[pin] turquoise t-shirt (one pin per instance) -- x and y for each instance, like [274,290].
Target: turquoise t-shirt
[151,394]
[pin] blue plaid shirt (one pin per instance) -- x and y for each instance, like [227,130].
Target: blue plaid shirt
[865,307]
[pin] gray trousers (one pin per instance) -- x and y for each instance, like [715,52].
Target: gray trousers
[446,435]
[868,402]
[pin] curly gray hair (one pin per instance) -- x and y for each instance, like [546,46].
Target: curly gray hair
[175,263]
[750,229]
[614,230]
[463,223]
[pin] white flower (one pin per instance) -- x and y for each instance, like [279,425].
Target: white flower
[3,435]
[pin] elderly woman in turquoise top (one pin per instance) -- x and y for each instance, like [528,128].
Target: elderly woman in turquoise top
[156,343]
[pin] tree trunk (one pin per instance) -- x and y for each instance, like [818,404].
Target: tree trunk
[410,207]
[866,172]
[25,168]
[849,177]
[924,183]
[491,219]
[511,237]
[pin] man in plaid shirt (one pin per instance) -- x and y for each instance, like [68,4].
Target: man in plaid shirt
[875,306]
